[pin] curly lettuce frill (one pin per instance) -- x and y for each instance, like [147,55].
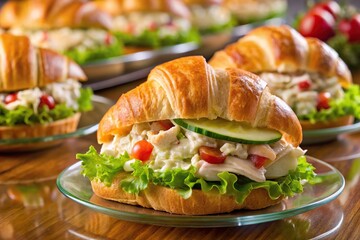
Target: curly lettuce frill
[104,168]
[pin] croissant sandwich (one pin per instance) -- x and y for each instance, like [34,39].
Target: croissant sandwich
[305,72]
[193,140]
[246,11]
[78,29]
[209,16]
[150,24]
[40,93]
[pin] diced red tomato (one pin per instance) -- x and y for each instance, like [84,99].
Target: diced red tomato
[166,124]
[142,150]
[330,6]
[323,101]
[211,155]
[152,26]
[130,28]
[12,97]
[46,100]
[108,39]
[304,85]
[319,24]
[259,161]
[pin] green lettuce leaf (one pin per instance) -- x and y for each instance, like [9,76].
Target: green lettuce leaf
[27,116]
[348,105]
[155,40]
[100,166]
[84,101]
[104,168]
[100,52]
[220,27]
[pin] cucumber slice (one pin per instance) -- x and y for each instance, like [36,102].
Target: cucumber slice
[240,132]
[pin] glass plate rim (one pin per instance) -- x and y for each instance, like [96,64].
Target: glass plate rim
[146,54]
[335,130]
[195,221]
[82,131]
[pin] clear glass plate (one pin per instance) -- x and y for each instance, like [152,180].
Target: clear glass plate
[331,183]
[328,134]
[88,124]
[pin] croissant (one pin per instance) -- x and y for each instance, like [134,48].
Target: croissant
[26,66]
[283,51]
[49,14]
[190,88]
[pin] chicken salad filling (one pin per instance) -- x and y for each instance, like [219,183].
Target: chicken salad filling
[210,17]
[153,29]
[304,93]
[176,147]
[160,153]
[60,100]
[70,41]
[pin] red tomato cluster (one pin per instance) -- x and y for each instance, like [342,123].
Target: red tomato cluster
[323,20]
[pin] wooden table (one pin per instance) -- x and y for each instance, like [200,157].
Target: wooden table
[47,214]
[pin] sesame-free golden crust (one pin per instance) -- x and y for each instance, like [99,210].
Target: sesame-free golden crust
[282,49]
[62,126]
[168,200]
[190,88]
[53,14]
[23,65]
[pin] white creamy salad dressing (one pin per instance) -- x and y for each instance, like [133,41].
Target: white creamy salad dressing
[64,39]
[208,16]
[255,9]
[137,22]
[63,92]
[170,153]
[302,101]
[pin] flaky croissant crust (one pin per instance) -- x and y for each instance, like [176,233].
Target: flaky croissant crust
[48,14]
[189,88]
[282,49]
[23,65]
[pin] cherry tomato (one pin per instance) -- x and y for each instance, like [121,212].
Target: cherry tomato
[142,150]
[166,124]
[304,85]
[258,161]
[108,39]
[211,155]
[354,31]
[12,97]
[317,23]
[153,26]
[330,6]
[46,100]
[323,100]
[344,26]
